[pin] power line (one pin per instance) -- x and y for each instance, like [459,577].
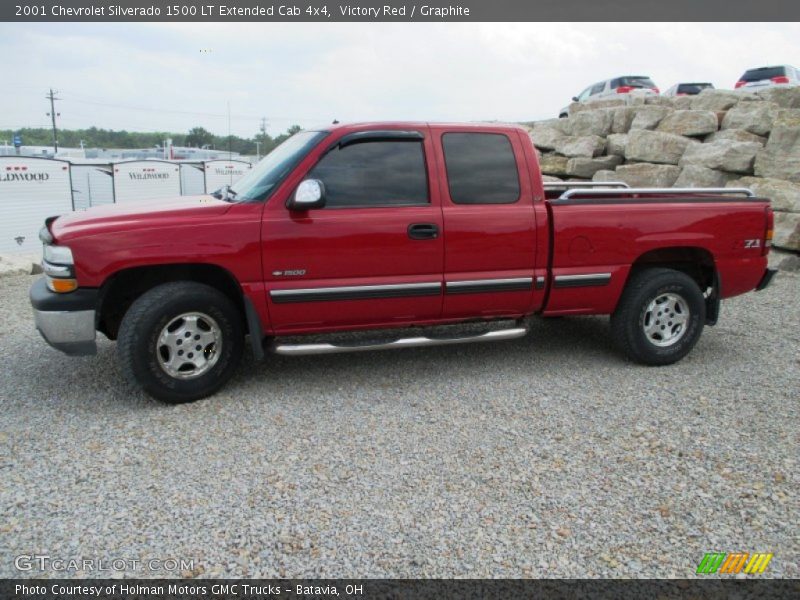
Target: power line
[83,100]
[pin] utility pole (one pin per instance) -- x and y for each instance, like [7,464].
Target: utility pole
[230,139]
[52,114]
[258,150]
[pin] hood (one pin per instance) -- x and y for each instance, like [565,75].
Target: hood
[143,214]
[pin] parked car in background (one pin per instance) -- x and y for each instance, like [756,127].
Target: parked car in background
[688,89]
[765,77]
[609,88]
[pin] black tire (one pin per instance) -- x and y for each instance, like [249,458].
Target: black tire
[146,320]
[632,320]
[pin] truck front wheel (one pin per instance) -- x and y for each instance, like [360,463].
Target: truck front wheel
[660,316]
[181,341]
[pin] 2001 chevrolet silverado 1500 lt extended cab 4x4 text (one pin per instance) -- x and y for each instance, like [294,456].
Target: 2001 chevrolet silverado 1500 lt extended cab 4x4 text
[384,226]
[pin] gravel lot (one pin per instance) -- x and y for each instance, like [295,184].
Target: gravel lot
[548,456]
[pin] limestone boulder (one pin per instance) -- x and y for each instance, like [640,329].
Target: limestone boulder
[780,158]
[694,176]
[689,122]
[682,102]
[622,119]
[648,117]
[553,164]
[551,178]
[787,231]
[605,175]
[785,195]
[647,175]
[586,167]
[586,146]
[724,155]
[616,143]
[716,100]
[755,117]
[785,97]
[545,137]
[737,135]
[656,146]
[592,122]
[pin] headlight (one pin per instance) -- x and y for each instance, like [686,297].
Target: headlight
[60,255]
[58,269]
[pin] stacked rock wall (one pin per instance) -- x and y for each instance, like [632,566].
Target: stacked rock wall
[716,139]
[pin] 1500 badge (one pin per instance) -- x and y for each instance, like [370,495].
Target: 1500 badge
[289,273]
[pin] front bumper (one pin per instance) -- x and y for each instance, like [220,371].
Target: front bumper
[65,321]
[766,279]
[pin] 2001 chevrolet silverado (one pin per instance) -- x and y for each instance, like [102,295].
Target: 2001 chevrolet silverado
[384,226]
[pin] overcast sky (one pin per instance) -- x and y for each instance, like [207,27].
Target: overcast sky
[166,76]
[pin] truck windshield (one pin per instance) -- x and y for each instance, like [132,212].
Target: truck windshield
[274,167]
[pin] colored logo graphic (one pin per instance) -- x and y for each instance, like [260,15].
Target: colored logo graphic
[733,563]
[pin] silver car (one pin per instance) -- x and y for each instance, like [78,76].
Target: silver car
[610,88]
[766,77]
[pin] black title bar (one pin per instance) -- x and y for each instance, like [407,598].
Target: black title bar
[398,10]
[397,589]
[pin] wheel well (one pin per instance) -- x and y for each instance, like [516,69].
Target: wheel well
[121,289]
[697,263]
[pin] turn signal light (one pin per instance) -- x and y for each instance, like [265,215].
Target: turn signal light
[769,230]
[62,286]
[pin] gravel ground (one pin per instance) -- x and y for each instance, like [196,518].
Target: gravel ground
[548,456]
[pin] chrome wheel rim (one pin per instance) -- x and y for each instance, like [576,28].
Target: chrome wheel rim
[666,319]
[189,345]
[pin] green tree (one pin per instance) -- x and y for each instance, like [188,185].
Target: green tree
[199,137]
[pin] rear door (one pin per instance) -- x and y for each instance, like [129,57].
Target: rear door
[490,236]
[374,254]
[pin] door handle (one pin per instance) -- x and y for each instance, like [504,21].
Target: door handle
[423,231]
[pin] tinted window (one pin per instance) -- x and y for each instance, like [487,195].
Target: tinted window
[693,88]
[376,173]
[584,94]
[763,73]
[636,81]
[481,168]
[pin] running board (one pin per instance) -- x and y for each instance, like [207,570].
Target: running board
[411,342]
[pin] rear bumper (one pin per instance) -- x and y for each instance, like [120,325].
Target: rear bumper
[65,321]
[766,279]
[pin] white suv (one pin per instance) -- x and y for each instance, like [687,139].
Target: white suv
[764,77]
[627,84]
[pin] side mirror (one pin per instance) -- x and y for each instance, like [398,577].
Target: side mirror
[575,99]
[309,194]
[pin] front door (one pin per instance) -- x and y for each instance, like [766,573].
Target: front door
[373,256]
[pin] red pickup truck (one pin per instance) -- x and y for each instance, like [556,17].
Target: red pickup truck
[386,226]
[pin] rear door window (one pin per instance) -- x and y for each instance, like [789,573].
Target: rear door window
[481,168]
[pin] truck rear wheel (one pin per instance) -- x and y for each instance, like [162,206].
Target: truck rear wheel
[181,341]
[659,318]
